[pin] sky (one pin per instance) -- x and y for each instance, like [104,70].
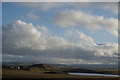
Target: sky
[60,1]
[60,32]
[0,38]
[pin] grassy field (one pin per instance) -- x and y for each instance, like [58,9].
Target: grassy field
[35,74]
[109,71]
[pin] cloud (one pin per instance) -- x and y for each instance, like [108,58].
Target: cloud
[73,18]
[76,36]
[108,6]
[42,5]
[112,7]
[32,16]
[25,42]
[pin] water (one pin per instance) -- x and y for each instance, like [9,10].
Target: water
[94,74]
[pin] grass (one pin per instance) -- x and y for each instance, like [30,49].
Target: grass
[35,74]
[109,71]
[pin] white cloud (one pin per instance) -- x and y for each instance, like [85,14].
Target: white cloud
[28,36]
[72,18]
[32,16]
[42,5]
[112,7]
[76,36]
[25,42]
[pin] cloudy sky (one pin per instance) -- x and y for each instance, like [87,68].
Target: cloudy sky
[60,32]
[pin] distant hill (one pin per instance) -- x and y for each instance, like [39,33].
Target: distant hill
[94,66]
[58,68]
[83,66]
[41,66]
